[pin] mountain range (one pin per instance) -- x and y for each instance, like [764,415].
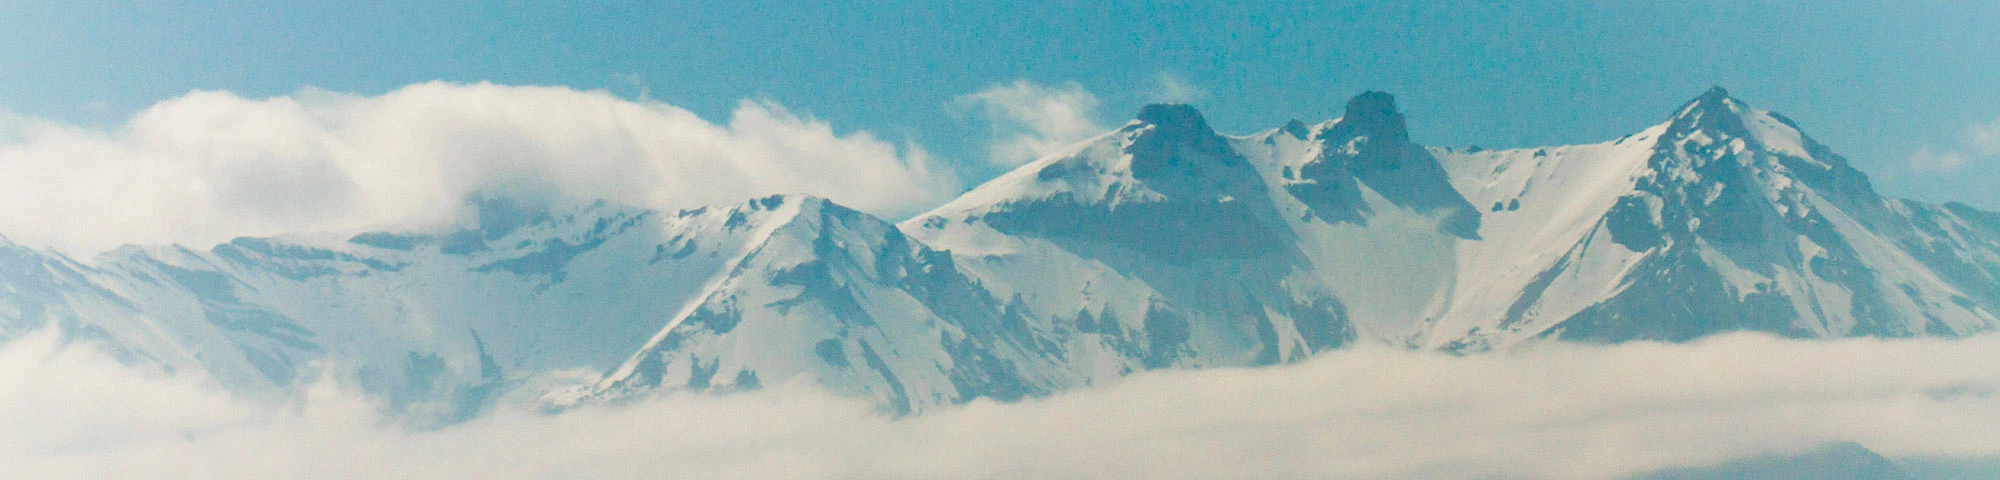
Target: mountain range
[1160,244]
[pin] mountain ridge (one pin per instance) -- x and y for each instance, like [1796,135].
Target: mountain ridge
[1159,244]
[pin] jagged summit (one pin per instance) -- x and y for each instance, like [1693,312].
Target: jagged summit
[1173,140]
[1373,114]
[1167,155]
[1717,113]
[1174,117]
[1716,101]
[1370,145]
[1715,95]
[1716,127]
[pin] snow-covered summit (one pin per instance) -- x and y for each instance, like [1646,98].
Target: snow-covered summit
[1174,119]
[1163,185]
[1724,217]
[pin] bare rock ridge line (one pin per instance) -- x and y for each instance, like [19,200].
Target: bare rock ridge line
[1160,244]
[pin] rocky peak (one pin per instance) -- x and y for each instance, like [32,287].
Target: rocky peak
[1373,115]
[1174,140]
[1714,115]
[1174,118]
[1370,145]
[804,215]
[1716,96]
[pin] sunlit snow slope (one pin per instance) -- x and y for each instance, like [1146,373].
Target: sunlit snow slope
[1723,218]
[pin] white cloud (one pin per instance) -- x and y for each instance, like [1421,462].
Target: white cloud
[1555,412]
[209,166]
[1168,88]
[1927,161]
[1984,138]
[1979,143]
[1031,120]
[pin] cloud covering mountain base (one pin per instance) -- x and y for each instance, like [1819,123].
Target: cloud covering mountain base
[1554,411]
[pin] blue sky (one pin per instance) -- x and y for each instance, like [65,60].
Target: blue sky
[1903,91]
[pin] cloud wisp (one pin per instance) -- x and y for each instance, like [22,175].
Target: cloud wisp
[1984,138]
[1170,88]
[1937,162]
[1978,144]
[209,166]
[1550,411]
[1030,120]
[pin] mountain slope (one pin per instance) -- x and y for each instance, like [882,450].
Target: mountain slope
[1725,218]
[1219,251]
[842,297]
[436,322]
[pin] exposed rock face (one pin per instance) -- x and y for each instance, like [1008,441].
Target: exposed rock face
[1370,145]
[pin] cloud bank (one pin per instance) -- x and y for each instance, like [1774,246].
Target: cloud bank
[1554,411]
[1030,120]
[210,166]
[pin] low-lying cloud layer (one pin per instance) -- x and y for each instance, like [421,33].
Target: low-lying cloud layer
[209,166]
[1556,412]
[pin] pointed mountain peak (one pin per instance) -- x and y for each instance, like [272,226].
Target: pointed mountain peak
[1373,114]
[1174,118]
[1715,102]
[1372,104]
[798,211]
[1714,94]
[1715,115]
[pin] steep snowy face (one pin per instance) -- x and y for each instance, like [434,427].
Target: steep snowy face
[843,298]
[1373,216]
[1538,260]
[437,322]
[1733,221]
[1217,251]
[1370,145]
[1156,245]
[1960,243]
[41,288]
[1745,213]
[1723,170]
[1164,186]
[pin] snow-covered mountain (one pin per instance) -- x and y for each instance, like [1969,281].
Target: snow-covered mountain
[1161,244]
[434,322]
[846,298]
[1723,218]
